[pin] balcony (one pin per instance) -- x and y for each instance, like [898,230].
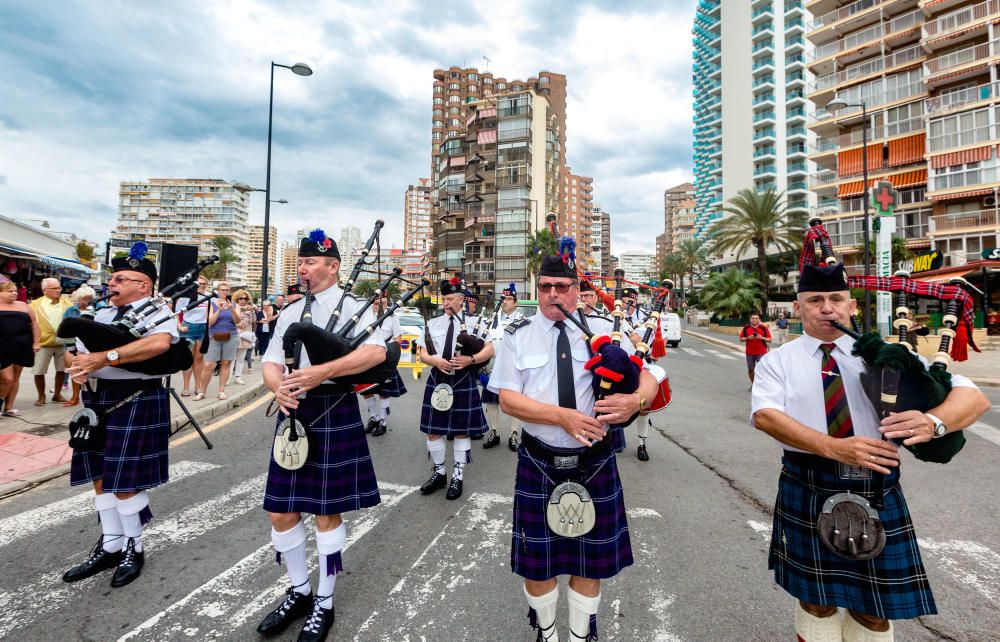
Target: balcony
[763,98]
[517,110]
[960,98]
[766,151]
[966,178]
[867,68]
[760,82]
[983,220]
[761,12]
[954,60]
[869,36]
[967,135]
[513,134]
[765,170]
[767,63]
[761,135]
[764,116]
[798,168]
[961,19]
[845,12]
[823,178]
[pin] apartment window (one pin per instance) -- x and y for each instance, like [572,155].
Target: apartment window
[438,113]
[544,80]
[454,122]
[961,129]
[438,100]
[454,110]
[473,88]
[472,76]
[965,174]
[438,123]
[487,81]
[438,89]
[904,119]
[454,99]
[501,86]
[516,88]
[455,74]
[454,87]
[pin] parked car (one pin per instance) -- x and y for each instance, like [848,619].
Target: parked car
[412,324]
[670,326]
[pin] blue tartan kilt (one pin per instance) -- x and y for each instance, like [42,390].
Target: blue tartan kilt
[465,418]
[892,586]
[537,553]
[393,388]
[487,395]
[135,451]
[338,475]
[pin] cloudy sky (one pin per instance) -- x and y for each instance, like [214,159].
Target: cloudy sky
[100,91]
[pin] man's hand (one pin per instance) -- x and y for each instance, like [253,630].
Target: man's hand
[460,361]
[617,408]
[86,362]
[303,380]
[584,428]
[36,346]
[877,454]
[912,426]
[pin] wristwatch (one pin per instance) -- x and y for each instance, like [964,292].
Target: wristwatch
[113,357]
[939,428]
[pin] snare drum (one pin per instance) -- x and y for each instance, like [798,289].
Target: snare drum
[662,398]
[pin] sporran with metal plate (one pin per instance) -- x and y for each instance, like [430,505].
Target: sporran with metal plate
[850,527]
[442,397]
[291,445]
[570,512]
[85,431]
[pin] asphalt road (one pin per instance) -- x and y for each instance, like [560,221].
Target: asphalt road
[423,568]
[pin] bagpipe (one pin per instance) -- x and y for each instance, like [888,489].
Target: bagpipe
[895,379]
[468,343]
[647,353]
[137,323]
[91,310]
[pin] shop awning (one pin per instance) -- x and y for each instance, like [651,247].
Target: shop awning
[20,252]
[17,252]
[67,264]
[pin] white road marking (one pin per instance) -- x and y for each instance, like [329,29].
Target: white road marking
[231,598]
[660,608]
[762,529]
[721,355]
[986,431]
[691,351]
[50,516]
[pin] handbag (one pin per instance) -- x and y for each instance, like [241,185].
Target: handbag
[246,335]
[222,337]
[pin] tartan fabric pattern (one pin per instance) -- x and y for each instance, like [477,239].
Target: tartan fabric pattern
[466,418]
[393,388]
[485,394]
[537,553]
[838,414]
[338,475]
[135,451]
[893,585]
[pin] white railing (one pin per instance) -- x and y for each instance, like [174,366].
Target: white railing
[964,220]
[978,176]
[873,33]
[961,57]
[955,99]
[844,12]
[949,22]
[868,67]
[970,136]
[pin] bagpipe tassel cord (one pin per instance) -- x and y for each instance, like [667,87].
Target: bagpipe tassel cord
[659,348]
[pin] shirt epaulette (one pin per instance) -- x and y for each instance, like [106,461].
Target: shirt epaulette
[514,326]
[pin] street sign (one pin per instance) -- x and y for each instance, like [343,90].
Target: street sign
[884,198]
[404,344]
[992,254]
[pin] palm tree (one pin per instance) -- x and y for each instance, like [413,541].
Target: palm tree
[694,258]
[758,220]
[731,294]
[223,249]
[673,268]
[542,243]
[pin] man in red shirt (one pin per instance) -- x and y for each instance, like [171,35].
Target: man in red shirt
[756,336]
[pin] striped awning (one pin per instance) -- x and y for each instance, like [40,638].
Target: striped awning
[909,179]
[904,151]
[899,180]
[851,162]
[962,157]
[960,195]
[456,161]
[960,72]
[486,136]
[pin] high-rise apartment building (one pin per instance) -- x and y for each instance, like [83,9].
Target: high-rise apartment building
[417,213]
[349,242]
[678,215]
[255,255]
[600,241]
[750,107]
[925,72]
[578,204]
[638,266]
[289,266]
[190,211]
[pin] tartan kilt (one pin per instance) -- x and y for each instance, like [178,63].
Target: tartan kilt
[135,451]
[393,388]
[338,475]
[536,553]
[892,586]
[487,395]
[465,419]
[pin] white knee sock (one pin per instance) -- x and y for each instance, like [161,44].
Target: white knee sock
[816,629]
[329,544]
[372,409]
[463,455]
[437,450]
[582,616]
[291,547]
[111,522]
[854,632]
[642,428]
[543,607]
[134,513]
[513,425]
[492,411]
[384,407]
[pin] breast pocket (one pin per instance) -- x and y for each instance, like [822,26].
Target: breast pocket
[532,368]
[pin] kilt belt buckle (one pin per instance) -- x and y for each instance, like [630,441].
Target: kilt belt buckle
[849,527]
[563,462]
[847,471]
[570,511]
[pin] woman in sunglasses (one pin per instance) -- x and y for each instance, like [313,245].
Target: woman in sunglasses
[245,322]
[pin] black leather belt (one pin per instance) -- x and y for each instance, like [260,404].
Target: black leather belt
[565,457]
[831,466]
[329,390]
[128,386]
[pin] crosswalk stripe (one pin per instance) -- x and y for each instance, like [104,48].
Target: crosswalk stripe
[231,600]
[691,351]
[56,513]
[985,431]
[721,355]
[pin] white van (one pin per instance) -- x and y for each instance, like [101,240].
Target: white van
[670,325]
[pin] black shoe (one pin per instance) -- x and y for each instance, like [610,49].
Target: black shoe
[454,489]
[130,567]
[380,428]
[513,441]
[318,623]
[435,482]
[388,411]
[641,453]
[99,560]
[294,606]
[492,439]
[372,423]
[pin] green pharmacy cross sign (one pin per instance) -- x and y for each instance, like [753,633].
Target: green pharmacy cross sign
[884,198]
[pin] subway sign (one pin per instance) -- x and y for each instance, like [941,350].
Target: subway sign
[992,254]
[923,262]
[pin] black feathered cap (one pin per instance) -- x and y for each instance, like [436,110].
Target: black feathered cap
[318,244]
[555,266]
[451,286]
[136,261]
[630,293]
[587,286]
[823,278]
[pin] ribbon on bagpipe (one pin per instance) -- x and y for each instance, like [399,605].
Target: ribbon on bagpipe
[963,333]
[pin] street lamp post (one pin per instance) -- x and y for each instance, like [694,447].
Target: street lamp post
[301,69]
[835,105]
[240,186]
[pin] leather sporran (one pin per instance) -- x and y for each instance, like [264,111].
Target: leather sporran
[86,431]
[850,528]
[570,512]
[291,445]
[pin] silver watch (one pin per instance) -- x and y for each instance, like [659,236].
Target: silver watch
[939,428]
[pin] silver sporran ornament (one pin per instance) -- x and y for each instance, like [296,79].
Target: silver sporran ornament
[291,446]
[442,397]
[570,512]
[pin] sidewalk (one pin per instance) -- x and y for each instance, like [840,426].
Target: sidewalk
[34,448]
[981,367]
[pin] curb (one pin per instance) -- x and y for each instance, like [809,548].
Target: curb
[200,415]
[983,382]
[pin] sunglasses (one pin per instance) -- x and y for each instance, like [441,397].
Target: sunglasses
[561,288]
[122,279]
[242,298]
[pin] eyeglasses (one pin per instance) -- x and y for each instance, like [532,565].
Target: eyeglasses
[122,279]
[561,288]
[242,298]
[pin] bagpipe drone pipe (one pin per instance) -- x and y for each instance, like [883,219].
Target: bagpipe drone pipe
[136,324]
[468,343]
[895,379]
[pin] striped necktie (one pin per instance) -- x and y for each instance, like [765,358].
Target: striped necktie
[838,414]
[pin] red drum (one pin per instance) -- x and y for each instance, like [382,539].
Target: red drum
[662,398]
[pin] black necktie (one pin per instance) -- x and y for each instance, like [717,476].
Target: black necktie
[564,368]
[446,353]
[121,312]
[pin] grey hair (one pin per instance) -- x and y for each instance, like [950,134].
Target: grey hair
[80,292]
[49,281]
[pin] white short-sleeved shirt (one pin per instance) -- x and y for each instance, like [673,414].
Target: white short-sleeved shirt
[500,323]
[390,329]
[526,363]
[790,379]
[438,329]
[106,315]
[323,306]
[197,314]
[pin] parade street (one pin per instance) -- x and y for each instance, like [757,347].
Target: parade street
[423,568]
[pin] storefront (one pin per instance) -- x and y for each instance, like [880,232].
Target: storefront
[28,254]
[984,275]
